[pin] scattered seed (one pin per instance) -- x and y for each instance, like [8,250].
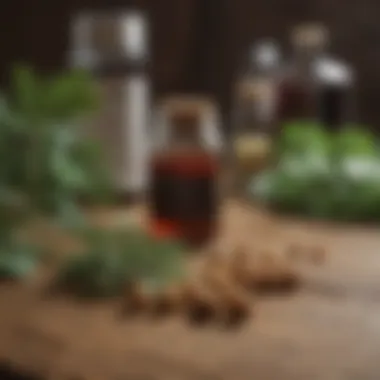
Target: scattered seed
[201,305]
[318,255]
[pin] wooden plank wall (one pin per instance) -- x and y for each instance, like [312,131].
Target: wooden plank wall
[198,44]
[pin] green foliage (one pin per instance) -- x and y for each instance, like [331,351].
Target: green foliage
[301,138]
[293,182]
[355,141]
[358,196]
[41,122]
[61,98]
[337,178]
[115,258]
[44,162]
[17,259]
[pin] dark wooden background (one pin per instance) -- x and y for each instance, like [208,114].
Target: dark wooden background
[198,44]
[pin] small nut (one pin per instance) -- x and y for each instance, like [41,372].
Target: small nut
[215,260]
[136,299]
[239,260]
[237,306]
[318,255]
[201,305]
[267,259]
[295,252]
[167,301]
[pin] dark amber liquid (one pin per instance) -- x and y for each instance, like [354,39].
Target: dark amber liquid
[183,199]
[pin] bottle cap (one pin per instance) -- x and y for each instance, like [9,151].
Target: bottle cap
[133,27]
[310,35]
[189,114]
[186,107]
[109,34]
[333,72]
[266,54]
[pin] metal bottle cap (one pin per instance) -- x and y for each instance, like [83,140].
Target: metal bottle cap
[96,36]
[333,72]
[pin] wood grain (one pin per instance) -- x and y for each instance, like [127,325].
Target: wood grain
[328,330]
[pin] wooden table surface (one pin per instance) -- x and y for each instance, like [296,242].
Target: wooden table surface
[330,329]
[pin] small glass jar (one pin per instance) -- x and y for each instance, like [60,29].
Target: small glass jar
[185,167]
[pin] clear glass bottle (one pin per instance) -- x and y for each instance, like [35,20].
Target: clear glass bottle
[298,98]
[185,167]
[114,47]
[255,113]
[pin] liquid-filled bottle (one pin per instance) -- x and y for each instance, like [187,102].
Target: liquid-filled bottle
[254,119]
[298,95]
[335,92]
[185,165]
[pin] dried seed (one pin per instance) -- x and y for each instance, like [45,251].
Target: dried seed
[295,252]
[318,255]
[215,261]
[240,266]
[276,278]
[136,299]
[240,258]
[235,302]
[237,305]
[167,301]
[201,305]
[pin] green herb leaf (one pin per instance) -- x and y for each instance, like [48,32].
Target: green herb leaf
[116,257]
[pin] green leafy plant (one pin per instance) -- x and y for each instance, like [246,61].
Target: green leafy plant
[115,258]
[299,138]
[17,260]
[318,174]
[355,141]
[44,161]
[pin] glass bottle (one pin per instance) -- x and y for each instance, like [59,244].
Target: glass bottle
[298,91]
[114,47]
[335,89]
[255,113]
[185,170]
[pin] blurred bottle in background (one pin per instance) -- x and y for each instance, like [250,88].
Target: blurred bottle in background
[255,108]
[336,93]
[185,170]
[298,97]
[114,47]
